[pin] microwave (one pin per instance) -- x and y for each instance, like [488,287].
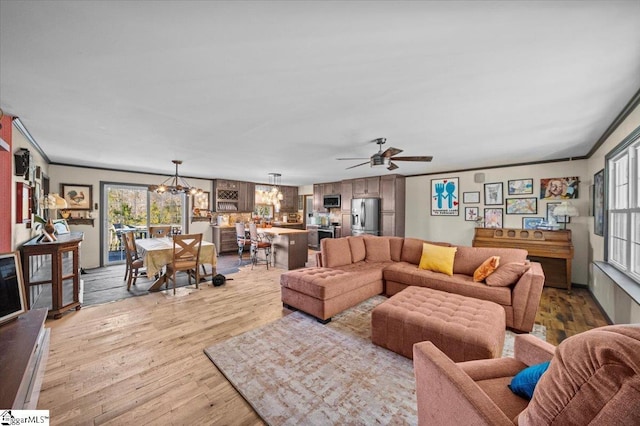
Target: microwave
[331,201]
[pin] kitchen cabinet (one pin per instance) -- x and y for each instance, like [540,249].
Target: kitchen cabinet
[289,203]
[366,187]
[392,194]
[346,192]
[346,225]
[233,196]
[224,238]
[332,188]
[226,196]
[246,196]
[318,198]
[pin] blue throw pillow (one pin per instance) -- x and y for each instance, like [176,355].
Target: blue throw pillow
[524,383]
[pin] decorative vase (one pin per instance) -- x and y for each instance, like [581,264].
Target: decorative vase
[49,227]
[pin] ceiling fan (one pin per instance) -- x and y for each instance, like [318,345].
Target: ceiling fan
[381,158]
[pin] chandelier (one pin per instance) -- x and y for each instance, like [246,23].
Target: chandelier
[272,194]
[175,184]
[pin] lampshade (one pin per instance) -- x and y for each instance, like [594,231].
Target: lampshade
[566,209]
[55,201]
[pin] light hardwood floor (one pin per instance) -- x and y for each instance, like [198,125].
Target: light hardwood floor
[141,361]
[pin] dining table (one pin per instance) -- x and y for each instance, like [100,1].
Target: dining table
[157,252]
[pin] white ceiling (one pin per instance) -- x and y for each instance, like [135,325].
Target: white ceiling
[241,89]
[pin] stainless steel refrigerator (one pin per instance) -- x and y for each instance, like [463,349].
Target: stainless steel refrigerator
[365,216]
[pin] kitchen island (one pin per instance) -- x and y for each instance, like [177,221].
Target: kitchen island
[289,246]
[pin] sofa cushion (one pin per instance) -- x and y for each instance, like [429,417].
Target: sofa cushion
[378,249]
[336,252]
[594,378]
[396,243]
[507,274]
[409,274]
[437,258]
[524,383]
[412,249]
[469,258]
[486,268]
[358,250]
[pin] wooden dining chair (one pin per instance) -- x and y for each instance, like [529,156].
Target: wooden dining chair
[243,241]
[186,255]
[258,243]
[134,263]
[159,231]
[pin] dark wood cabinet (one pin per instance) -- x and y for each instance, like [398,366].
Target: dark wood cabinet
[366,187]
[246,196]
[392,194]
[289,203]
[224,238]
[233,196]
[56,264]
[318,198]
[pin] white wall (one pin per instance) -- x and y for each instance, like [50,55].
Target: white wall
[90,252]
[454,229]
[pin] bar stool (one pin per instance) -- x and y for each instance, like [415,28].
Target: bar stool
[257,243]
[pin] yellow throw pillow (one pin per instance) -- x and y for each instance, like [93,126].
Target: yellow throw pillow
[437,258]
[486,269]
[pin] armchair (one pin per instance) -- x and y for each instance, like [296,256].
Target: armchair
[594,378]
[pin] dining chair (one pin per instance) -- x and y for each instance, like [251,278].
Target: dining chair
[242,240]
[159,231]
[134,263]
[186,255]
[258,243]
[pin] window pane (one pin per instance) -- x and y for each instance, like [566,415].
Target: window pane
[621,183]
[618,238]
[635,243]
[166,209]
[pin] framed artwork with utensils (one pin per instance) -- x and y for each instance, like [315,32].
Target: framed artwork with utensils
[78,197]
[444,197]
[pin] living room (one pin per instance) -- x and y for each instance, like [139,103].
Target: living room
[94,379]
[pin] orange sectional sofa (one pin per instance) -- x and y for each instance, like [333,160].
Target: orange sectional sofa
[353,269]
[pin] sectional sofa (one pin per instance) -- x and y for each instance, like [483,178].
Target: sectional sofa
[353,269]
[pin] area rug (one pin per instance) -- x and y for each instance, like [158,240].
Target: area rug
[298,371]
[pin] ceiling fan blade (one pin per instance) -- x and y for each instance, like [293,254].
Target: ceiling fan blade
[355,158]
[390,152]
[392,166]
[419,158]
[357,165]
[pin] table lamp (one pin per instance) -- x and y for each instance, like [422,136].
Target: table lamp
[53,202]
[565,209]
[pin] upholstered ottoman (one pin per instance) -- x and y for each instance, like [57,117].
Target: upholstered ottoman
[462,327]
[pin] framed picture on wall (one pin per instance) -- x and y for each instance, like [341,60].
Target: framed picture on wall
[471,214]
[471,197]
[14,300]
[493,195]
[444,197]
[531,222]
[493,218]
[520,186]
[522,205]
[78,197]
[598,203]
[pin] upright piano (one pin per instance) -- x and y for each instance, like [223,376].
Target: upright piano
[552,249]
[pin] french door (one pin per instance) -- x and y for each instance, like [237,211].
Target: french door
[134,208]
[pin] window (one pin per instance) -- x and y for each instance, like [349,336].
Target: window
[623,226]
